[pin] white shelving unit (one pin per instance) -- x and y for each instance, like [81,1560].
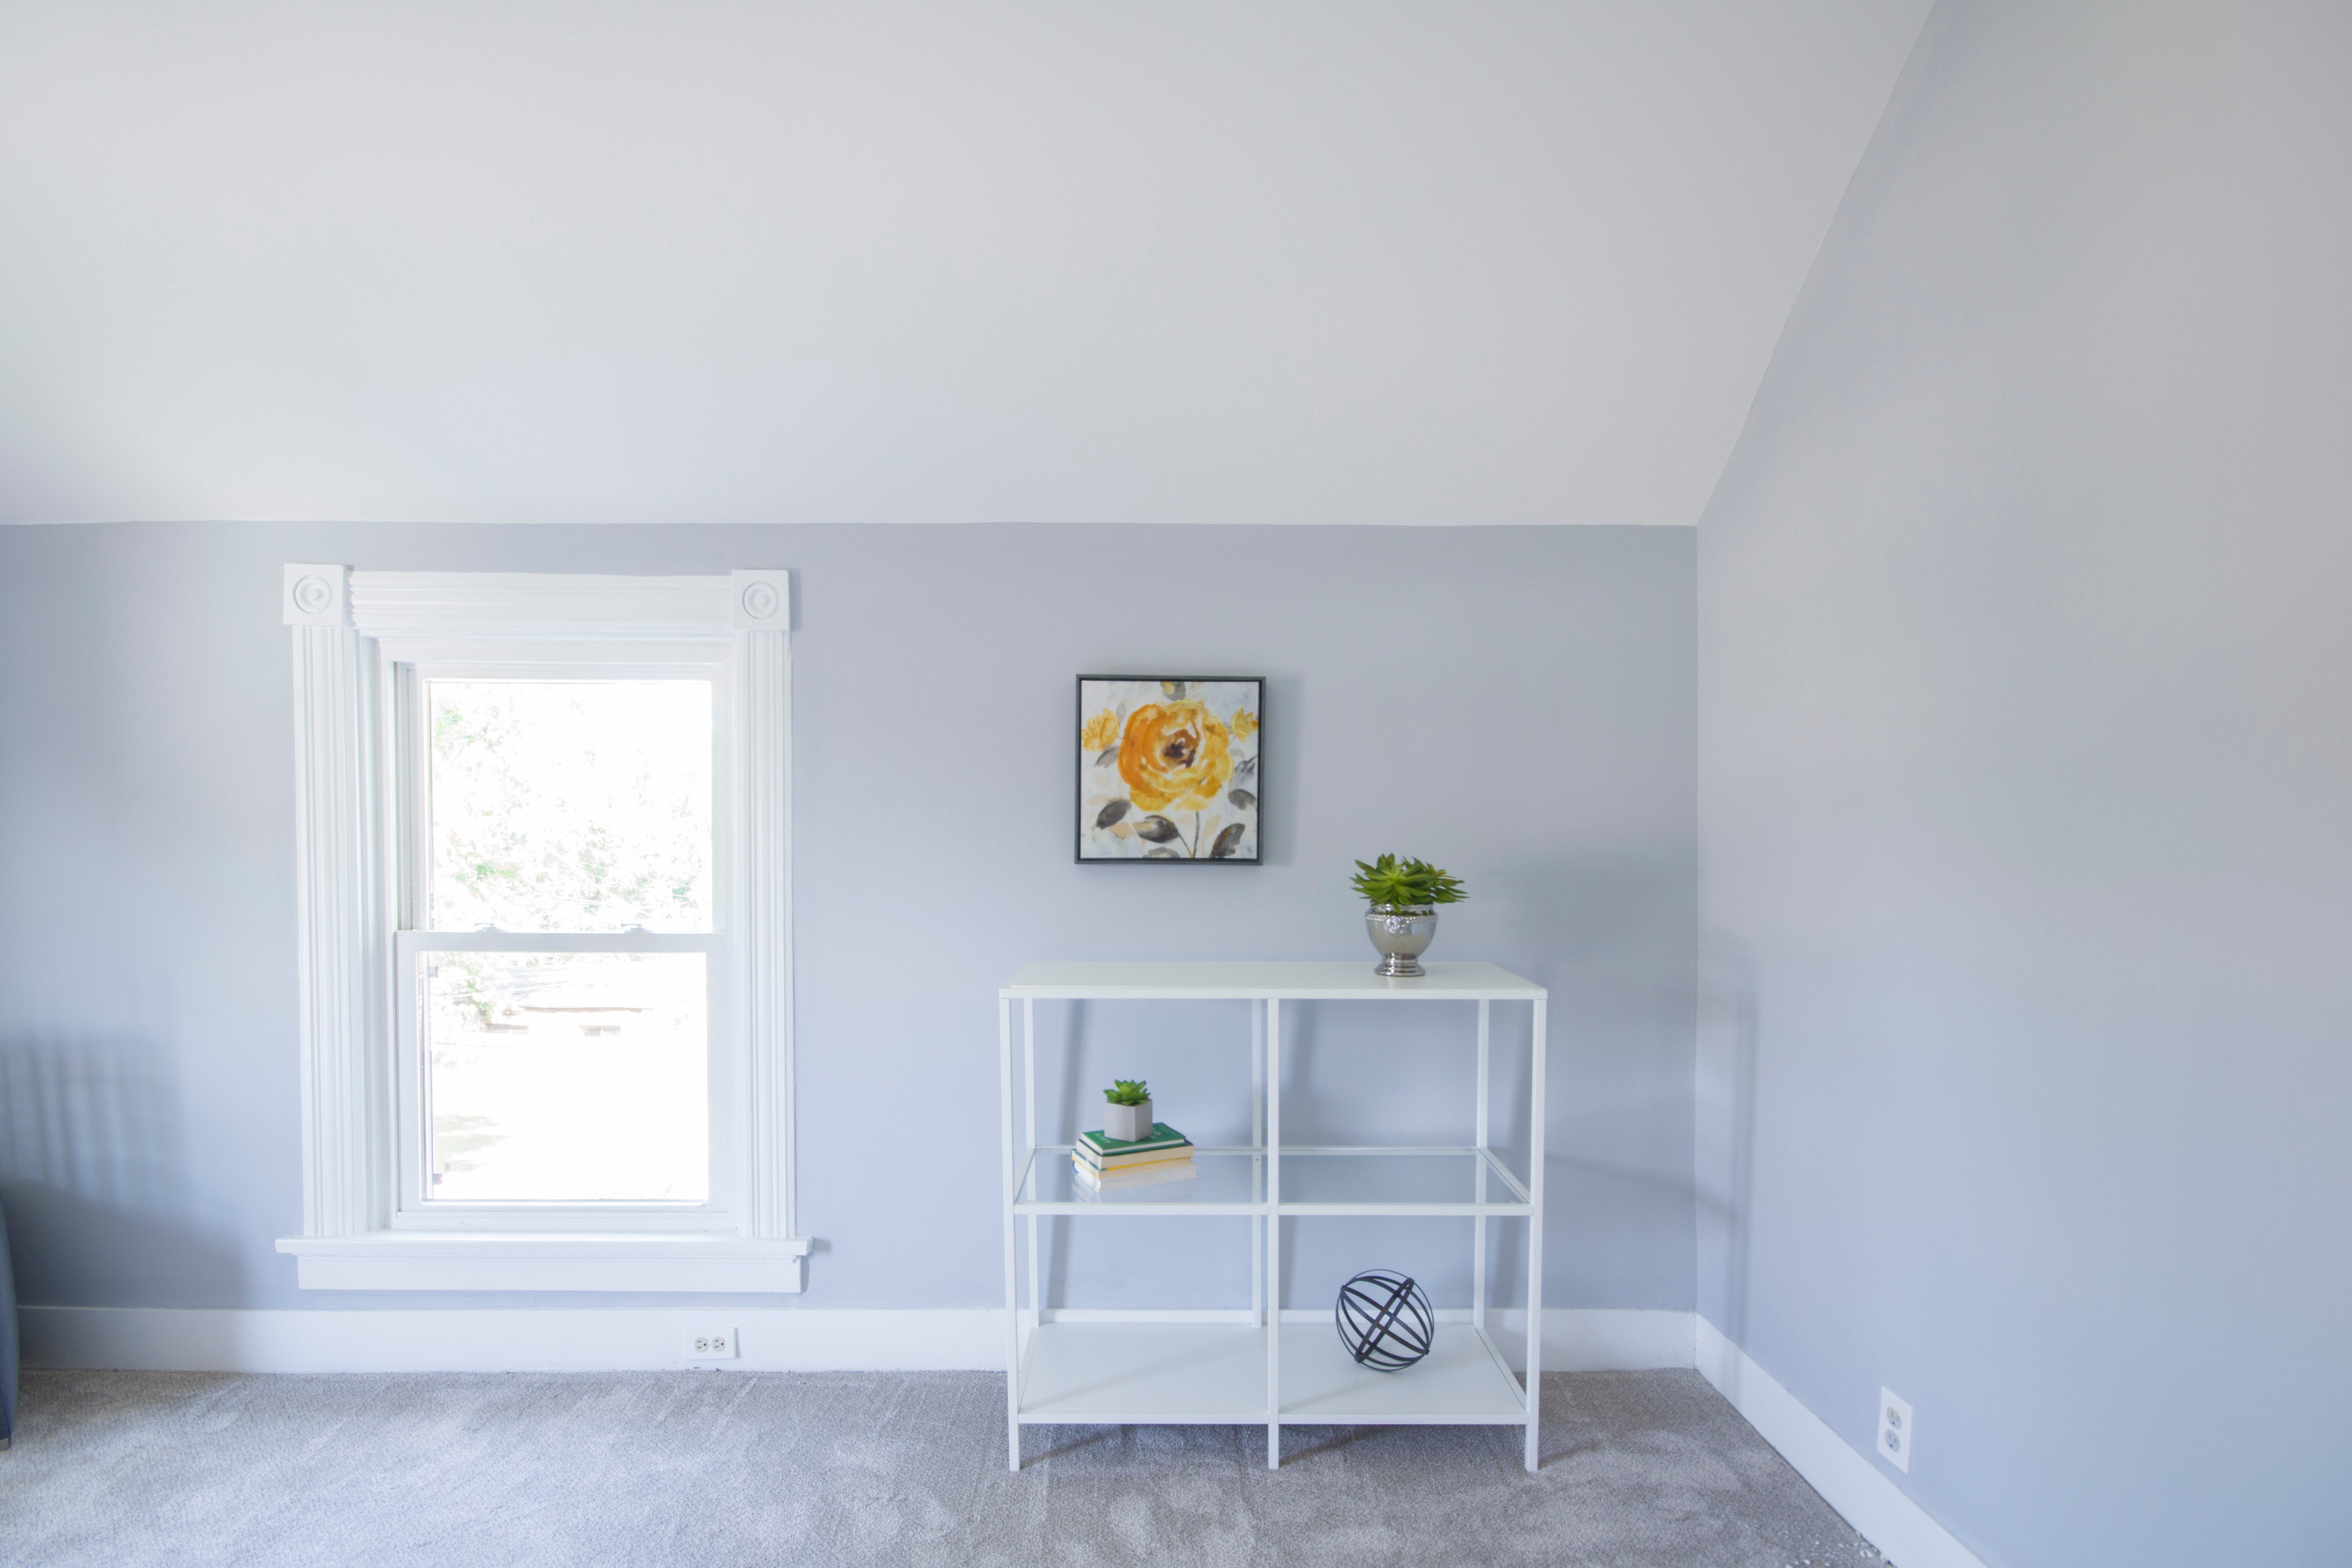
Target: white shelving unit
[1263,1365]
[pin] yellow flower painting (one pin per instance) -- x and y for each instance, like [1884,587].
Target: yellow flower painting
[1167,769]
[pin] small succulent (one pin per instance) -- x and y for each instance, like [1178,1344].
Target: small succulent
[1127,1092]
[1388,880]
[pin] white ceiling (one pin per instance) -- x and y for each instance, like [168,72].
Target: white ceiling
[1251,262]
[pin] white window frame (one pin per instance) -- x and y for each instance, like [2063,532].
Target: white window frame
[402,669]
[354,632]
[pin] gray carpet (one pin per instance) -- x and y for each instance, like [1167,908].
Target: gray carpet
[518,1471]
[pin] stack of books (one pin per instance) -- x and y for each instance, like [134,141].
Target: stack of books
[1110,1164]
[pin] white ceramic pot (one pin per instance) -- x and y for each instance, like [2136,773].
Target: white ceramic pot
[1128,1123]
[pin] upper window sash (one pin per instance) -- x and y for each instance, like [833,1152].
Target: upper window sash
[407,671]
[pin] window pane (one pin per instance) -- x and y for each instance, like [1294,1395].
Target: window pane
[570,804]
[567,1076]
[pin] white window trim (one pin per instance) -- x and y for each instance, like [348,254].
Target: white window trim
[344,921]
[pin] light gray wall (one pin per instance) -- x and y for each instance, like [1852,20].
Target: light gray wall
[1267,261]
[1516,703]
[2025,679]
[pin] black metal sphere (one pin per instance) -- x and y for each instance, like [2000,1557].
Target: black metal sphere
[1384,1319]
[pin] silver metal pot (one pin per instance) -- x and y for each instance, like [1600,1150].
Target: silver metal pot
[1402,932]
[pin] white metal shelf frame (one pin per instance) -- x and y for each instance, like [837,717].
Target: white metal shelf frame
[1204,1370]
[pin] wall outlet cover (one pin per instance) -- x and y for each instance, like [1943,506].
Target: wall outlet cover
[710,1345]
[1894,1435]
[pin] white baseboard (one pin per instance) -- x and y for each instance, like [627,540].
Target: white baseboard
[165,1339]
[596,1339]
[1904,1532]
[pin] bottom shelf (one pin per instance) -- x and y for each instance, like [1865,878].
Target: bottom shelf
[1166,1373]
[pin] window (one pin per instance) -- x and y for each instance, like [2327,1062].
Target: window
[545,959]
[557,953]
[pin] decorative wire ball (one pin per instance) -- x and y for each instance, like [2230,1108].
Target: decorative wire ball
[1384,1319]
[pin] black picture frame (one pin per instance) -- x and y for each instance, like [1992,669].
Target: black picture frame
[1222,723]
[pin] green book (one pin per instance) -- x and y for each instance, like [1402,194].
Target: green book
[1103,1149]
[1127,1164]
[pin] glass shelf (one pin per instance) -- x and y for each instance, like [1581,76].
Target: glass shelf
[1314,1181]
[1215,1373]
[1230,1180]
[1392,1178]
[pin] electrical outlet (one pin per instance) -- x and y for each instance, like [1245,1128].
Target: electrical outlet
[710,1345]
[1894,1435]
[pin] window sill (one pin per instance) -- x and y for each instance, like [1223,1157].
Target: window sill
[443,1260]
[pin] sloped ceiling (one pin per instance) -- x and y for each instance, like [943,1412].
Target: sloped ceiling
[1256,262]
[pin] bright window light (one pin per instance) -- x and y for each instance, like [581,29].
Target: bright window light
[567,1076]
[576,806]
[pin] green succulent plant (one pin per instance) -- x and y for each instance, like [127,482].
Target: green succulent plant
[1388,880]
[1127,1092]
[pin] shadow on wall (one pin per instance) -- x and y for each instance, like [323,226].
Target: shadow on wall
[1616,932]
[92,1171]
[1725,1156]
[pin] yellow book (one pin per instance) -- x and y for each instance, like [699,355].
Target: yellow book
[1181,1169]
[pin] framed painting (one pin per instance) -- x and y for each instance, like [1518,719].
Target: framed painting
[1167,768]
